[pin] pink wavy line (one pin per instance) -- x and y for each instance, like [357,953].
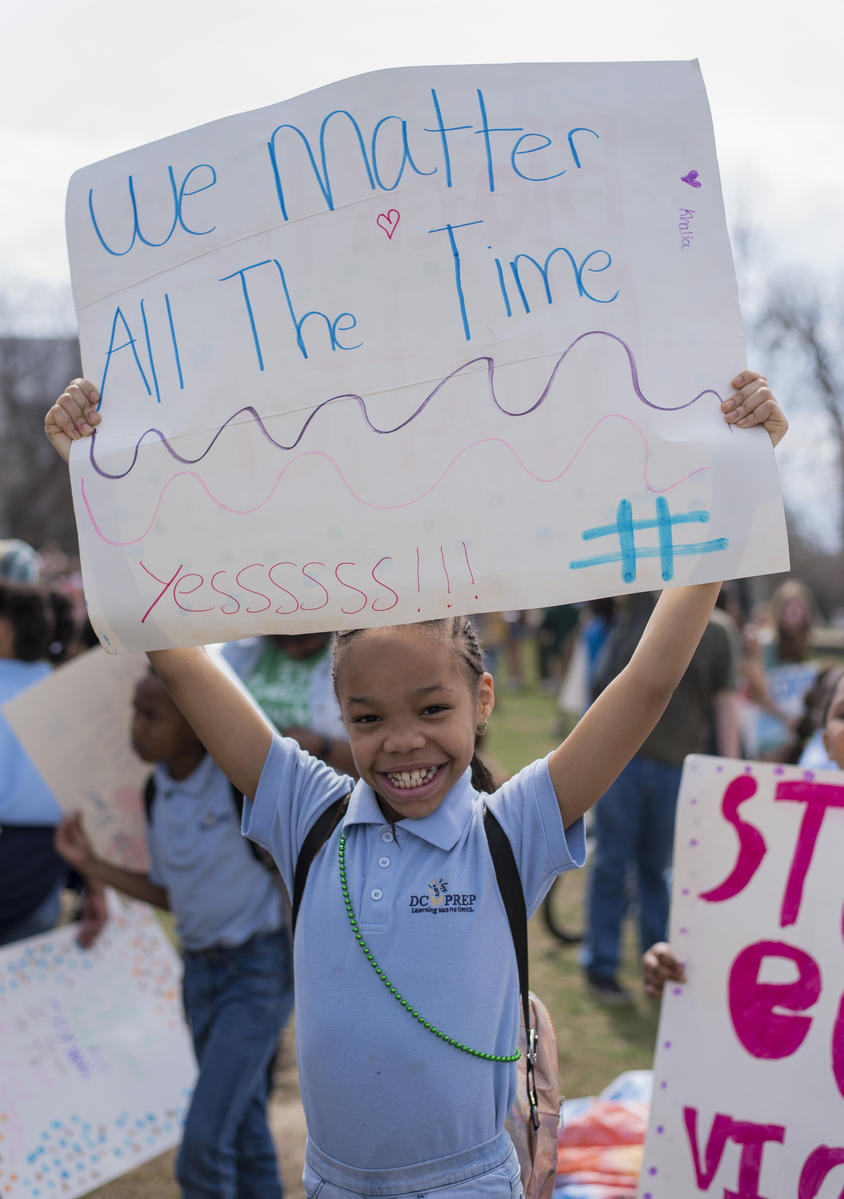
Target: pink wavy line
[190,474]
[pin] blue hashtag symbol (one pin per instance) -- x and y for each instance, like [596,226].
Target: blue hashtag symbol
[628,553]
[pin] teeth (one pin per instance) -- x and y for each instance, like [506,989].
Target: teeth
[412,778]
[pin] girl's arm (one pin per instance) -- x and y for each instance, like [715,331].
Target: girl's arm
[231,729]
[73,845]
[613,729]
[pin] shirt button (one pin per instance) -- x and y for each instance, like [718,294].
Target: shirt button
[386,835]
[376,893]
[383,862]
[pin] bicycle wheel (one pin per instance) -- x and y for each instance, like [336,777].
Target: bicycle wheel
[556,913]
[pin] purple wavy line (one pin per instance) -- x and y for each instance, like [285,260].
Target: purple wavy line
[490,366]
[189,474]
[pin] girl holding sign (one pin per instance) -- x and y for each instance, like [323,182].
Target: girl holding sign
[406,984]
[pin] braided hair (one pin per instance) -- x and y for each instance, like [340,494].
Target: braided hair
[460,631]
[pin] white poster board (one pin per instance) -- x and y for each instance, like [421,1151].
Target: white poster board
[749,1072]
[96,1067]
[424,341]
[75,726]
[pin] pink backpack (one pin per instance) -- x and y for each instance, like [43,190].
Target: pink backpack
[536,1146]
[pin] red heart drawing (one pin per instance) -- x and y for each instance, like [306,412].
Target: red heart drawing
[389,221]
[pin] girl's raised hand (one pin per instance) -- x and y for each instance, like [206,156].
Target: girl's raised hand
[74,415]
[753,403]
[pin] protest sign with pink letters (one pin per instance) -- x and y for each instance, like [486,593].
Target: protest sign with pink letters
[749,1073]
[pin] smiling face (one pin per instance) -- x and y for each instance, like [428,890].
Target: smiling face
[410,705]
[833,727]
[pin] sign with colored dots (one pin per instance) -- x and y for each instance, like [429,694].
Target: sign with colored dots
[424,341]
[749,1072]
[96,1066]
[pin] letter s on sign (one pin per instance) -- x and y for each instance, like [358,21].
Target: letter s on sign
[751,847]
[252,590]
[375,607]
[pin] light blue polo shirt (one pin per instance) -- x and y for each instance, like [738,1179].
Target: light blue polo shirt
[219,893]
[379,1090]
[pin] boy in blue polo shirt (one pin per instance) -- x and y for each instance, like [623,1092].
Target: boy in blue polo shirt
[238,983]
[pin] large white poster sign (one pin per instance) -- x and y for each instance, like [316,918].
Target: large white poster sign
[76,726]
[422,341]
[749,1072]
[96,1067]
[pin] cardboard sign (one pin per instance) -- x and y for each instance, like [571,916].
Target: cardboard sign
[748,1096]
[96,1067]
[75,725]
[424,341]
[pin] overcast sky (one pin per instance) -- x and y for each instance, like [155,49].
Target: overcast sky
[83,79]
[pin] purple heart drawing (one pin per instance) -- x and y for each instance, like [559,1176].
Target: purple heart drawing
[691,179]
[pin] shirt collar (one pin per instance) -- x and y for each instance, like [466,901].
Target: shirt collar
[442,828]
[197,781]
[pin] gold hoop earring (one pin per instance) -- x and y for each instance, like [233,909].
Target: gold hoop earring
[480,729]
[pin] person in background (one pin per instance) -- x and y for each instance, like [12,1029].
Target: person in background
[555,635]
[778,671]
[289,677]
[65,628]
[516,631]
[32,875]
[660,966]
[238,977]
[807,746]
[577,689]
[19,561]
[634,819]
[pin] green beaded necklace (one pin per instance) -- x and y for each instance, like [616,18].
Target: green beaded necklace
[411,1010]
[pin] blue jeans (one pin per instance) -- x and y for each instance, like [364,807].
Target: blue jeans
[634,824]
[237,1002]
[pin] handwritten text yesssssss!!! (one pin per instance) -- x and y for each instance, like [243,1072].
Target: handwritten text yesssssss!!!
[286,587]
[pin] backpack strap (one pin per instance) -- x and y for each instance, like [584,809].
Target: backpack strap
[316,837]
[149,794]
[258,853]
[510,886]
